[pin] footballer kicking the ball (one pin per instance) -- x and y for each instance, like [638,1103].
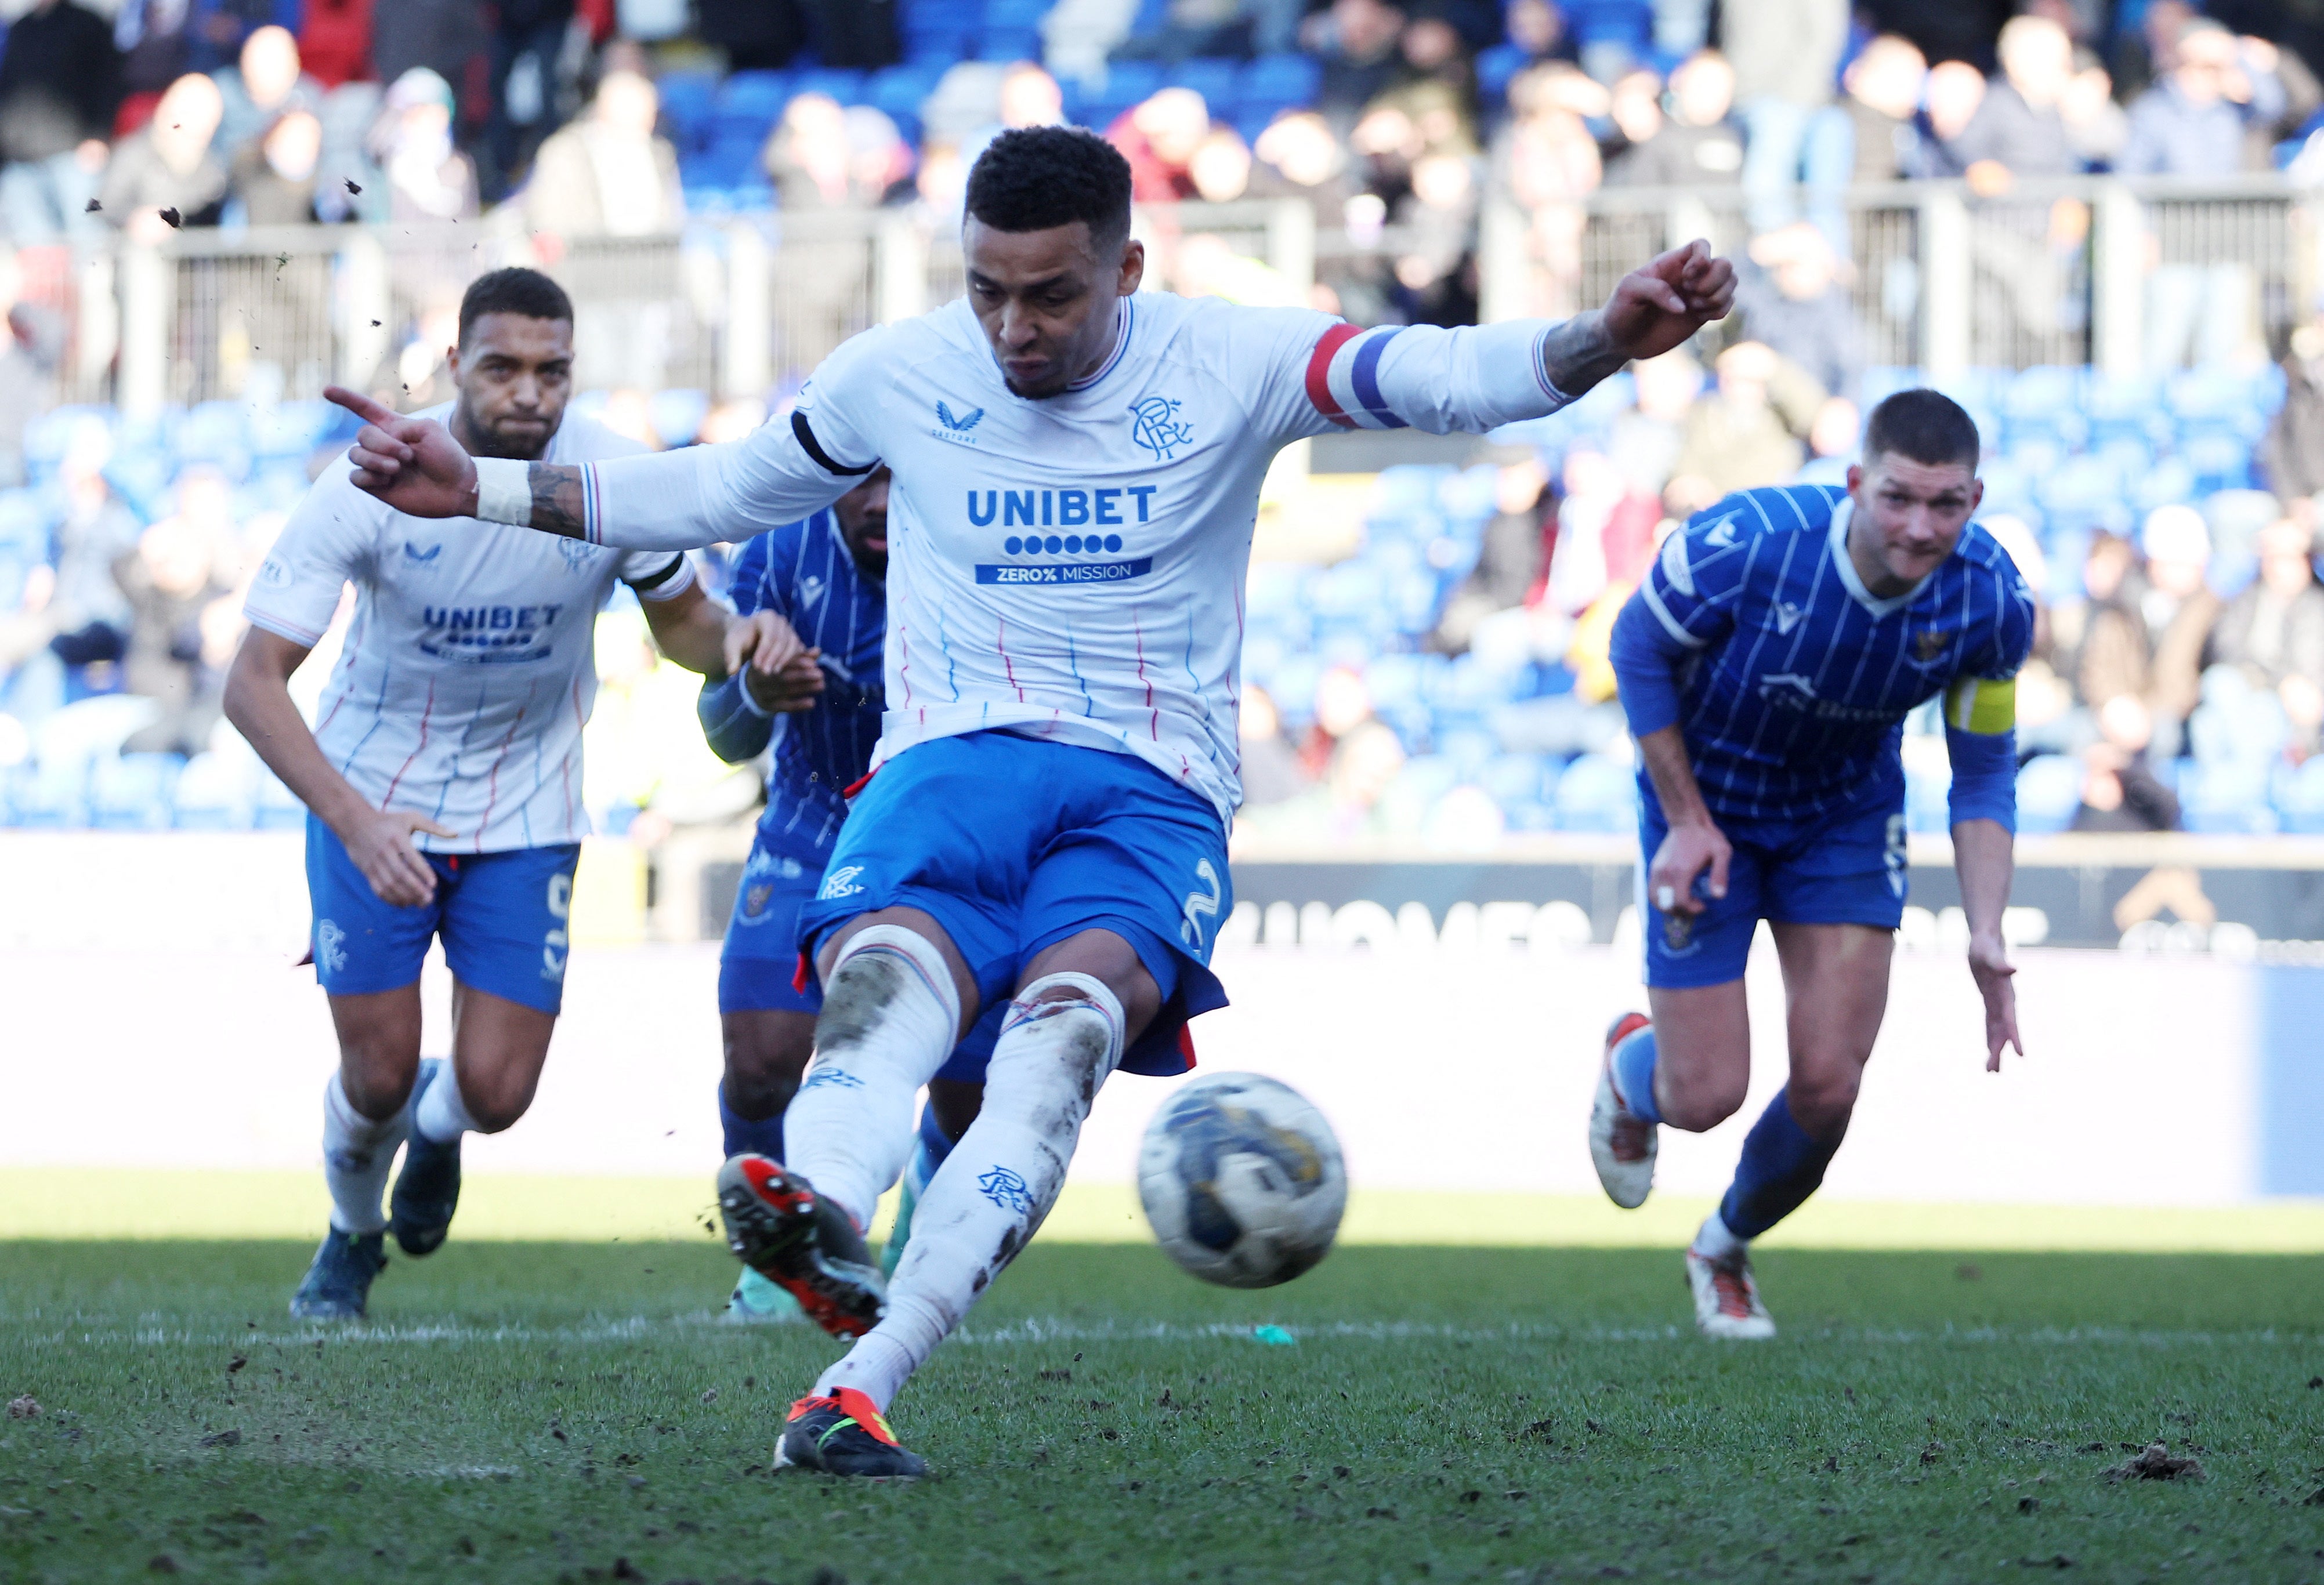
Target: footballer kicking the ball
[1077,468]
[1768,663]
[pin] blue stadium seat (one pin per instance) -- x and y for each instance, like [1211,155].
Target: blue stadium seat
[1215,80]
[1014,14]
[276,807]
[2084,493]
[2229,798]
[1516,781]
[1595,793]
[2049,793]
[688,99]
[49,797]
[2044,402]
[130,792]
[841,83]
[1279,79]
[2299,796]
[902,90]
[763,94]
[2218,462]
[2129,405]
[1495,67]
[1129,81]
[1002,45]
[213,793]
[1612,22]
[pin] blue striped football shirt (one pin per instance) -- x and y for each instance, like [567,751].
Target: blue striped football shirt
[1795,680]
[805,574]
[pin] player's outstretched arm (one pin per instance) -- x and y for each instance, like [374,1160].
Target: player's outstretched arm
[258,703]
[670,501]
[1660,305]
[1985,859]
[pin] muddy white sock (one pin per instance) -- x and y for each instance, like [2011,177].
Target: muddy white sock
[891,1015]
[443,1116]
[1712,1241]
[984,1203]
[357,1152]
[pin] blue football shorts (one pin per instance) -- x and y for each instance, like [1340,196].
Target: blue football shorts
[1843,867]
[759,966]
[503,917]
[1014,844]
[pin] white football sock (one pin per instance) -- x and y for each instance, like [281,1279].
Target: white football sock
[357,1153]
[1712,1241]
[443,1115]
[984,1203]
[891,1016]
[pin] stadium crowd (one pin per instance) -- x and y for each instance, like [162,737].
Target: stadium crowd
[1446,683]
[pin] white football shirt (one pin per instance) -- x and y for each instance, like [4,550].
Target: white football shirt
[468,670]
[1073,568]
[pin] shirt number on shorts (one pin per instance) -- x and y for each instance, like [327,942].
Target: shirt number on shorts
[553,945]
[1201,905]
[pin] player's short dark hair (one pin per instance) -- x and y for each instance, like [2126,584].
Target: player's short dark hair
[1926,426]
[512,291]
[1034,178]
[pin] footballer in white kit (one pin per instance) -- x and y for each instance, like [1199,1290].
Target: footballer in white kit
[442,776]
[1077,468]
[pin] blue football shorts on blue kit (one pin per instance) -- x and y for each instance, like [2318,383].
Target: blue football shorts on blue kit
[503,917]
[1846,867]
[759,966]
[1014,844]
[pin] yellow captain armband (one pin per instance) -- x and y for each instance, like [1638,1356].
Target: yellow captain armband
[1982,704]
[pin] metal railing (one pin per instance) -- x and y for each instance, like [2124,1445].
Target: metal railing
[2120,274]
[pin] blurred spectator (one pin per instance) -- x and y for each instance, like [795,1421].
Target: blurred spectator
[755,35]
[150,36]
[1954,92]
[178,647]
[335,41]
[805,155]
[2191,123]
[1159,137]
[216,30]
[2292,455]
[1193,28]
[2275,630]
[855,34]
[1356,40]
[2095,123]
[1646,436]
[1747,432]
[60,80]
[169,166]
[36,340]
[529,56]
[447,37]
[1884,86]
[1221,168]
[88,614]
[1437,268]
[607,174]
[426,178]
[2180,611]
[269,83]
[1605,534]
[1536,30]
[1790,297]
[1698,146]
[1511,559]
[1271,771]
[2017,130]
[1547,162]
[1785,57]
[1342,704]
[2120,791]
[1296,157]
[274,177]
[1436,87]
[2101,641]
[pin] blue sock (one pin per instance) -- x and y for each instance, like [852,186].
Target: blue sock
[1634,1074]
[1781,1167]
[934,1139]
[745,1137]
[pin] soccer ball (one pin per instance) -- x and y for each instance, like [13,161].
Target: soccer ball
[1241,1180]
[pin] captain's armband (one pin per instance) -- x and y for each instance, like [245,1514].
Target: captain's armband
[1984,705]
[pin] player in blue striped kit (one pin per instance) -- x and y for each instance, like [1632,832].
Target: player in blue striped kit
[1768,663]
[815,694]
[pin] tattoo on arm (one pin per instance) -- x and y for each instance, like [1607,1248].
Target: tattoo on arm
[557,499]
[1580,353]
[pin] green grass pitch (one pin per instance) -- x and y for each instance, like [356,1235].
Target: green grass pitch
[571,1412]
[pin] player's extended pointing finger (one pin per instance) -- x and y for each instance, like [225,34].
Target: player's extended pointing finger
[368,409]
